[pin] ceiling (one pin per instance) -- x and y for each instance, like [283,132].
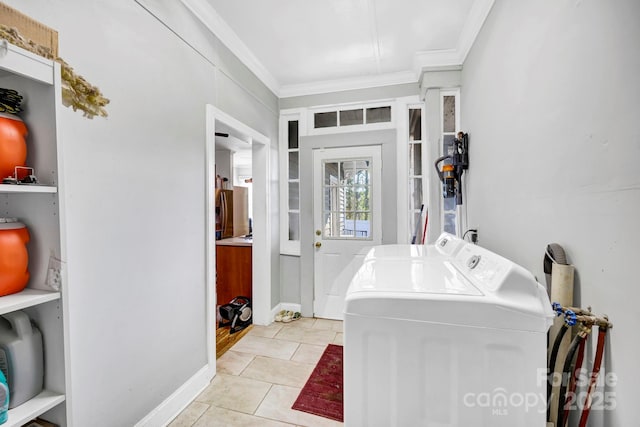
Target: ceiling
[236,142]
[299,47]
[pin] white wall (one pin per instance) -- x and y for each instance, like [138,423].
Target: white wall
[136,202]
[550,98]
[224,165]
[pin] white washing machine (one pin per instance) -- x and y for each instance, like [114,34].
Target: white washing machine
[444,335]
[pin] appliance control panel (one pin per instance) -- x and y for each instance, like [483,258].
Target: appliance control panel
[481,267]
[474,261]
[448,244]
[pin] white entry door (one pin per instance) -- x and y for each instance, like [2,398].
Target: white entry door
[347,205]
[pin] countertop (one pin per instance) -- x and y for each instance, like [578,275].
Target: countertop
[235,241]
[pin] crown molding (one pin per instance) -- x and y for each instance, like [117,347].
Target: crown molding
[428,71]
[436,58]
[353,83]
[475,20]
[210,18]
[455,57]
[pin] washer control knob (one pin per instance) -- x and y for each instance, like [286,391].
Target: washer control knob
[473,262]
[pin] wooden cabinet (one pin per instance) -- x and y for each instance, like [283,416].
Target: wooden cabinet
[233,268]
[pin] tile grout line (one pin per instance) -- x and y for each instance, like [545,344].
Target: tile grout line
[294,353]
[272,419]
[200,416]
[253,357]
[267,418]
[262,400]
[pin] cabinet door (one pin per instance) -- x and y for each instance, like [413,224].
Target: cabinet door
[234,276]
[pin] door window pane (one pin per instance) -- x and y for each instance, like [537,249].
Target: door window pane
[331,173]
[347,199]
[327,224]
[348,225]
[338,225]
[362,172]
[363,224]
[362,198]
[325,120]
[347,172]
[363,176]
[327,198]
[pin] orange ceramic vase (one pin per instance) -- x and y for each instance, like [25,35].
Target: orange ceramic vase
[13,145]
[14,258]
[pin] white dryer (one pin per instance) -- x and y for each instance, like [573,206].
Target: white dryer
[442,336]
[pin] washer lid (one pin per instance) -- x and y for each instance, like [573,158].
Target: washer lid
[411,276]
[396,251]
[471,287]
[447,245]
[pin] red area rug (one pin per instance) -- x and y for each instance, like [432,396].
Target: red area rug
[322,394]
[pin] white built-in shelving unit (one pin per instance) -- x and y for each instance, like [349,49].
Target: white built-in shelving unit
[40,208]
[10,188]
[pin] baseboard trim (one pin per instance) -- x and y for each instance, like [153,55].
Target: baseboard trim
[275,310]
[289,306]
[164,413]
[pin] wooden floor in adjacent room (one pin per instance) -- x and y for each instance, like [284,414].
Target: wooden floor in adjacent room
[225,340]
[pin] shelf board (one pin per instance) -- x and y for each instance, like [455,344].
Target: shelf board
[27,188]
[33,408]
[26,298]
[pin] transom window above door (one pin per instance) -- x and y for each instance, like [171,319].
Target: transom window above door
[347,195]
[350,118]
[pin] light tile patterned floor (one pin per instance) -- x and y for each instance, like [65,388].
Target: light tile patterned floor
[261,376]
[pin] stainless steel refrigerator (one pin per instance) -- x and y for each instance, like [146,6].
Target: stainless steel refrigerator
[232,213]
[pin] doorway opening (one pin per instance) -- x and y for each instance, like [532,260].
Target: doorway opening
[233,135]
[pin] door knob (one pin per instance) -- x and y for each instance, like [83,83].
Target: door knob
[318,232]
[318,244]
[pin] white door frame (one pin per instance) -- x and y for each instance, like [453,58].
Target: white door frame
[261,298]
